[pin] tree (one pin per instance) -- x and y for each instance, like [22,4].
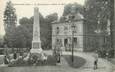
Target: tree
[10,20]
[24,21]
[112,26]
[47,33]
[1,41]
[52,17]
[22,37]
[97,13]
[23,33]
[68,10]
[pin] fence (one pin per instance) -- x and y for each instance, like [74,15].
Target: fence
[12,50]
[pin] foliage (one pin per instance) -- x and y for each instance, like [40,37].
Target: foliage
[106,54]
[97,13]
[52,17]
[9,15]
[68,8]
[1,41]
[24,32]
[22,37]
[24,21]
[10,20]
[45,29]
[48,29]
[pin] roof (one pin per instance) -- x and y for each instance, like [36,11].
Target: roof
[78,17]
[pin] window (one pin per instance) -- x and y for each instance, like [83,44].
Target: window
[57,30]
[58,42]
[75,29]
[65,29]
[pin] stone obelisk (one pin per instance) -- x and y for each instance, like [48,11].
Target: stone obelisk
[36,42]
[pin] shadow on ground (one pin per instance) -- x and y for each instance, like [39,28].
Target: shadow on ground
[78,61]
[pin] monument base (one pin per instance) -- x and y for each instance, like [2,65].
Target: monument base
[36,47]
[38,53]
[37,50]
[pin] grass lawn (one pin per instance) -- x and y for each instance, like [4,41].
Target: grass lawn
[78,61]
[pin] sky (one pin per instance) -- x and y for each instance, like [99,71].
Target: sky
[27,10]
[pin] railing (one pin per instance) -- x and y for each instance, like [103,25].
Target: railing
[12,50]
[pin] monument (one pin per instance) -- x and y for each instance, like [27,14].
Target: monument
[36,42]
[36,50]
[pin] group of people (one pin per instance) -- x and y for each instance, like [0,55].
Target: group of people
[8,58]
[12,58]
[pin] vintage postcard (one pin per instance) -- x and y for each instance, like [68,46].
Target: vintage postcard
[57,36]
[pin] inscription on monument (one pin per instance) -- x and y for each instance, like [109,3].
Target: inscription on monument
[35,45]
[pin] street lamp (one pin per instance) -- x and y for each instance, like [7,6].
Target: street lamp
[73,31]
[73,8]
[70,19]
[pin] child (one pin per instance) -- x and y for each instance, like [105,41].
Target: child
[95,61]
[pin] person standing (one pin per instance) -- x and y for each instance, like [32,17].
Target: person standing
[14,55]
[58,55]
[6,61]
[96,60]
[107,55]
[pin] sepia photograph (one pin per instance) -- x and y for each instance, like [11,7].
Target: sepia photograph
[57,36]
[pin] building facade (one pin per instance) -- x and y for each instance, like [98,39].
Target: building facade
[64,36]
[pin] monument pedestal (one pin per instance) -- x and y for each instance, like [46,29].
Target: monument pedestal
[36,50]
[36,47]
